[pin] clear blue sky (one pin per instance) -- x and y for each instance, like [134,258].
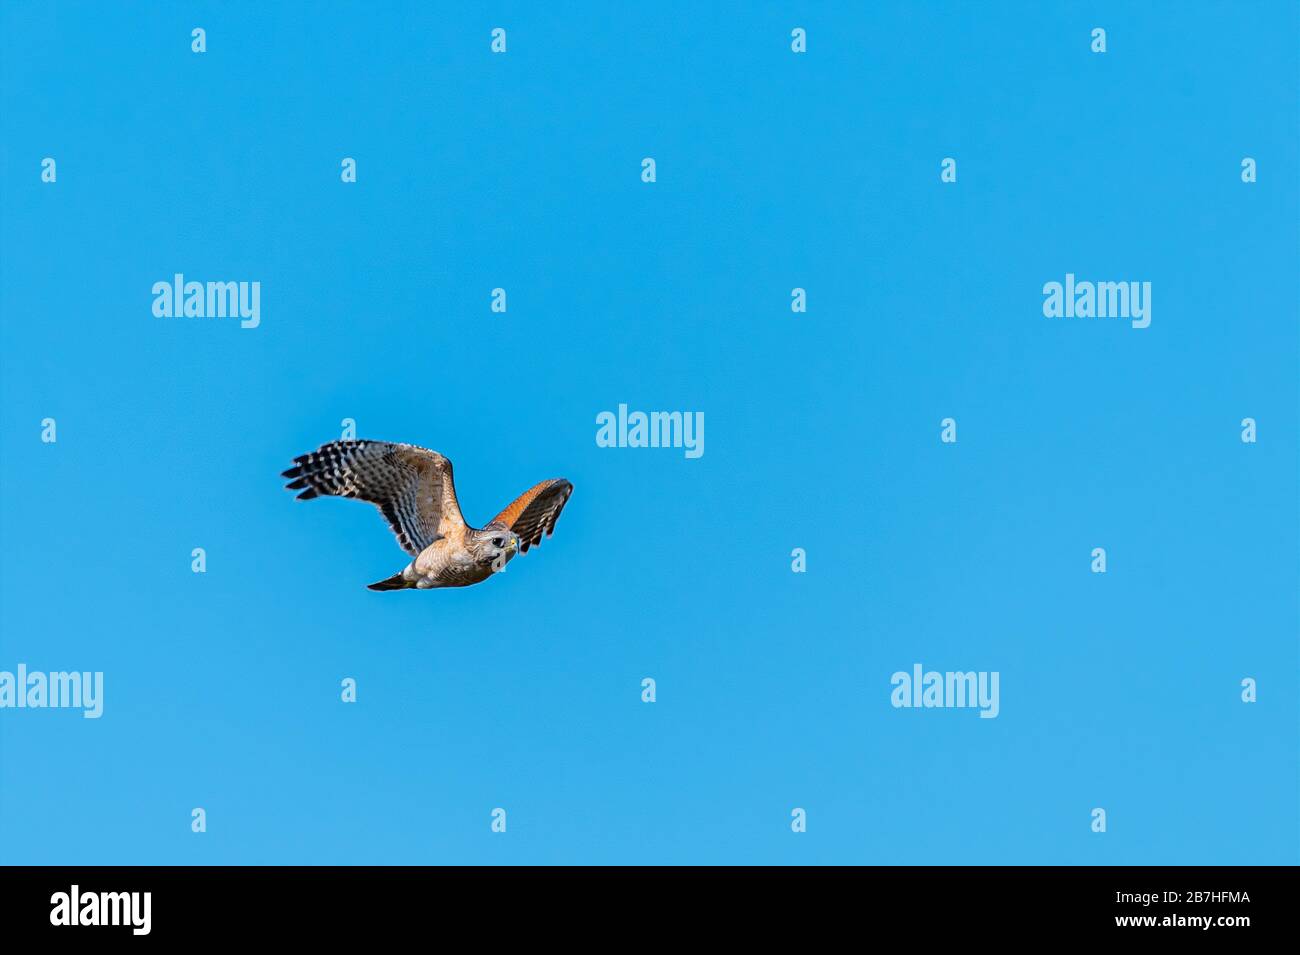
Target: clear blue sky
[775,171]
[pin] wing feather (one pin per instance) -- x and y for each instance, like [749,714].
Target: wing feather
[534,513]
[412,486]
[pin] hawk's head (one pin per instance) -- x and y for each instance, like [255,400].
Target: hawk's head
[494,545]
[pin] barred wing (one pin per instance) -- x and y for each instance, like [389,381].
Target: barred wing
[535,511]
[411,486]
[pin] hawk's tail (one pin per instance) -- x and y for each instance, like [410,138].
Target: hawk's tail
[396,582]
[402,580]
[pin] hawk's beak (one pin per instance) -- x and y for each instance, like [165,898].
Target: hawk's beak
[513,545]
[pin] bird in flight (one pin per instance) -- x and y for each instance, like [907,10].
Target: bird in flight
[412,487]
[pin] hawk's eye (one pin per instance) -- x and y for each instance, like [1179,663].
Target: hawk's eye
[498,542]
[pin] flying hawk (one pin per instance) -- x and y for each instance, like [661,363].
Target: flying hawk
[413,488]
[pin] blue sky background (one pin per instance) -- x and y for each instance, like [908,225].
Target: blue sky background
[822,431]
